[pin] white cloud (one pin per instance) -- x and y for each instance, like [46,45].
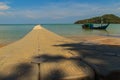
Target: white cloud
[4,6]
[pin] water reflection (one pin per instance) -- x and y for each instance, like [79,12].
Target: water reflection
[96,32]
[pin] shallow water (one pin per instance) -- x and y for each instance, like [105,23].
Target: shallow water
[12,32]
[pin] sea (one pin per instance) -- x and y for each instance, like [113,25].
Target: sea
[13,32]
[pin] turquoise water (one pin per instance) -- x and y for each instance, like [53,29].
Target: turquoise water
[12,32]
[76,29]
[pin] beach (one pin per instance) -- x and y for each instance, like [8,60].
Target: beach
[2,45]
[99,54]
[97,39]
[18,59]
[93,39]
[59,40]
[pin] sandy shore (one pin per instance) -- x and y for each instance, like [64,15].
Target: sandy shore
[96,39]
[100,52]
[91,39]
[2,45]
[17,60]
[103,53]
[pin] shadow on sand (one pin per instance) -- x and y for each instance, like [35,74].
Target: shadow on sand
[24,71]
[57,74]
[20,71]
[105,59]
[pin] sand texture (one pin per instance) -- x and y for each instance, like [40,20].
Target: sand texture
[16,59]
[101,52]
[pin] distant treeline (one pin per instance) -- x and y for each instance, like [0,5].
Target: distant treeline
[107,18]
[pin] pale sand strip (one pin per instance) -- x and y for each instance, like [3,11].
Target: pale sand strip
[43,43]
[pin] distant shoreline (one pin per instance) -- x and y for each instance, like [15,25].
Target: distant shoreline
[106,18]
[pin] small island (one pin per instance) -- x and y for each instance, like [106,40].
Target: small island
[107,18]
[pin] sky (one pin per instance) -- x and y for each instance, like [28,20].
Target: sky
[54,11]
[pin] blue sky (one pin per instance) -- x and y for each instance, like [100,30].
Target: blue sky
[54,11]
